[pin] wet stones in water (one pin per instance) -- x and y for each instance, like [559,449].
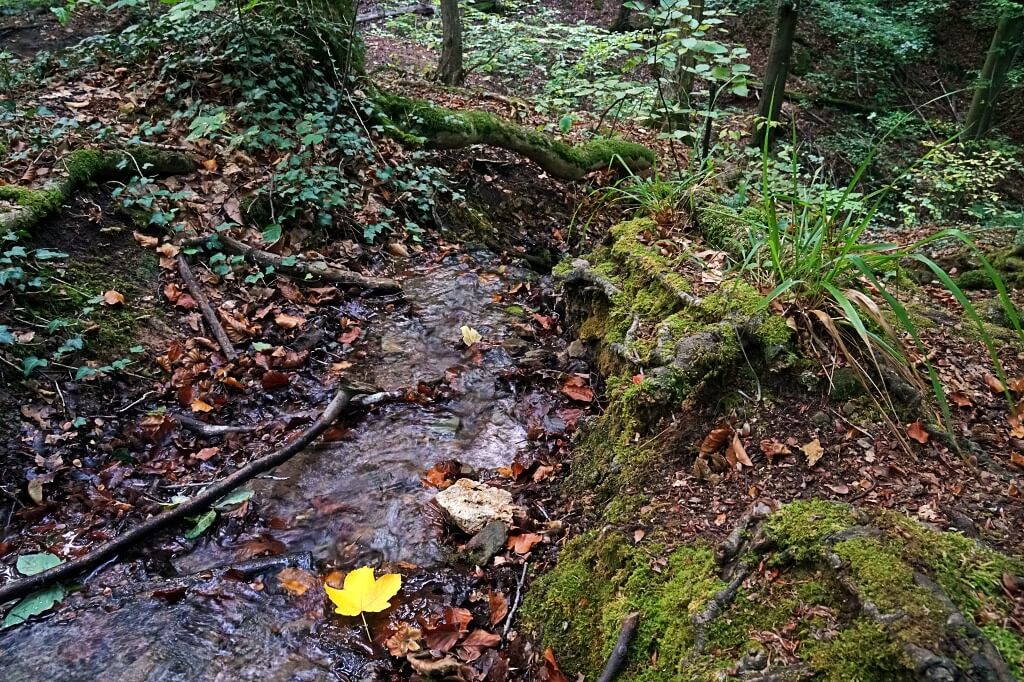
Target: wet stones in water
[488,542]
[470,505]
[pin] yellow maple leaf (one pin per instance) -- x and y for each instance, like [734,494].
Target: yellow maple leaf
[364,594]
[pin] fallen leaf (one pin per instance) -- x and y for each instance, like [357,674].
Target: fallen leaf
[994,384]
[1017,460]
[404,641]
[575,386]
[551,669]
[814,452]
[363,593]
[521,544]
[201,406]
[737,452]
[470,335]
[210,164]
[499,606]
[206,453]
[233,211]
[773,448]
[113,297]
[960,399]
[638,535]
[482,639]
[350,336]
[839,489]
[273,380]
[35,490]
[714,441]
[918,433]
[289,321]
[146,241]
[296,581]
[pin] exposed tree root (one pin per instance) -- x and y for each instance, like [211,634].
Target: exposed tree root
[301,268]
[442,128]
[581,273]
[196,505]
[81,167]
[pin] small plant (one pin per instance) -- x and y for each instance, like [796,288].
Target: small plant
[813,254]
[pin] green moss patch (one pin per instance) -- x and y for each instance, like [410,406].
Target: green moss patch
[833,591]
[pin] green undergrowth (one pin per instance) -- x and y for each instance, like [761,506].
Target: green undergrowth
[577,607]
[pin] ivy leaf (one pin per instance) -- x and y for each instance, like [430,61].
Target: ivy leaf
[202,523]
[363,593]
[33,604]
[232,498]
[29,364]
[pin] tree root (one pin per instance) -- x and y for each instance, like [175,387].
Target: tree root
[618,655]
[195,505]
[301,268]
[581,273]
[716,605]
[442,128]
[81,167]
[204,305]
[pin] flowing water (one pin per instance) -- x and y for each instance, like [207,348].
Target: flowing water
[363,494]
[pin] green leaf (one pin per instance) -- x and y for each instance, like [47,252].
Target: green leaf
[33,605]
[6,338]
[232,498]
[260,346]
[29,364]
[271,233]
[201,524]
[30,564]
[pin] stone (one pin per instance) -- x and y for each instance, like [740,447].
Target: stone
[488,542]
[821,420]
[470,505]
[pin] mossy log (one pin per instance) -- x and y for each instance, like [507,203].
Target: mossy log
[29,206]
[868,595]
[441,128]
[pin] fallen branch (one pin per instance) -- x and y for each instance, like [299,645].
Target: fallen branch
[196,505]
[618,655]
[210,430]
[318,269]
[422,8]
[204,305]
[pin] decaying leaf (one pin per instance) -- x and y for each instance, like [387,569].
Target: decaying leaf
[363,593]
[717,438]
[813,451]
[575,386]
[295,580]
[405,640]
[773,448]
[499,606]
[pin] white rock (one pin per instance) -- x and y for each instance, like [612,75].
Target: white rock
[471,505]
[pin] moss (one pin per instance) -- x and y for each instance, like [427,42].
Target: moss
[446,128]
[801,528]
[860,653]
[1010,646]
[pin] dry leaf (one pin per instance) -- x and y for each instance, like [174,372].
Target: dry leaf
[206,453]
[773,448]
[737,452]
[363,593]
[201,406]
[918,433]
[289,321]
[113,297]
[405,640]
[575,386]
[960,399]
[814,452]
[499,606]
[35,490]
[470,336]
[145,241]
[994,384]
[521,544]
[714,441]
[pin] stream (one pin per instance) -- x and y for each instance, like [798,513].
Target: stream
[357,501]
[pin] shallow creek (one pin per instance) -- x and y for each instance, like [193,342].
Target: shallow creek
[224,629]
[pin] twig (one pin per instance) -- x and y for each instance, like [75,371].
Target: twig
[516,601]
[618,655]
[204,305]
[201,427]
[133,404]
[197,504]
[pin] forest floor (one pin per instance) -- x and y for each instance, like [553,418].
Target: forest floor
[236,591]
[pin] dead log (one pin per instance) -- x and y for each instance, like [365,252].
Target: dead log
[196,505]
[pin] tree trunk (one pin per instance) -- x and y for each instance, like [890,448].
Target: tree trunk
[778,69]
[623,18]
[1006,45]
[450,70]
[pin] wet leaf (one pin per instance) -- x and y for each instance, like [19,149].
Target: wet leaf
[917,432]
[30,564]
[499,606]
[296,581]
[273,380]
[406,640]
[363,593]
[201,524]
[575,386]
[350,336]
[813,451]
[470,335]
[233,498]
[34,604]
